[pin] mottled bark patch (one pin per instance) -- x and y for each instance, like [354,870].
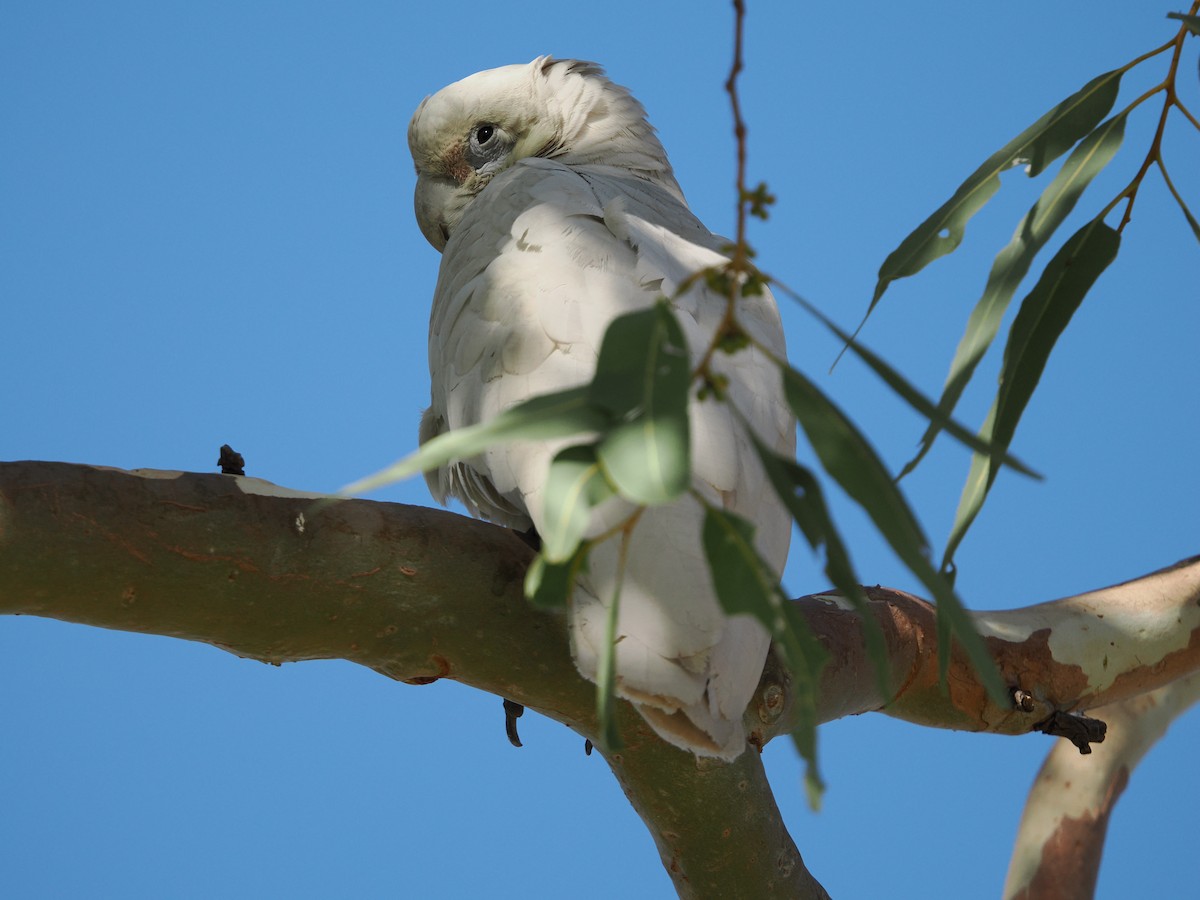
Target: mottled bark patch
[1070,860]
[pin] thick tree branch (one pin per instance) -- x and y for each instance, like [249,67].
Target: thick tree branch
[1061,838]
[413,593]
[419,594]
[1078,653]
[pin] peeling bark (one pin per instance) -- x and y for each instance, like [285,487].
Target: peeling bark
[1145,633]
[1061,838]
[419,594]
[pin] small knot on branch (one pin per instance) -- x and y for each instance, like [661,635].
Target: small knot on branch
[231,462]
[1023,700]
[512,712]
[1079,730]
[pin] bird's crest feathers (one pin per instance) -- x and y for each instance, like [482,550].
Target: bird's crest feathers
[562,109]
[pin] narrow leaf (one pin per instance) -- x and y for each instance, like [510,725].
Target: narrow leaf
[853,464]
[1038,145]
[743,582]
[550,584]
[1043,316]
[642,380]
[1013,262]
[801,644]
[801,493]
[1192,23]
[574,485]
[606,666]
[1190,218]
[908,392]
[1179,199]
[746,584]
[537,419]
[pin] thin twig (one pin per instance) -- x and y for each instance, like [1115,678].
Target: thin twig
[1154,154]
[737,265]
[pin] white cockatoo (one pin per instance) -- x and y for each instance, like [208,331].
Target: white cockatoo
[556,211]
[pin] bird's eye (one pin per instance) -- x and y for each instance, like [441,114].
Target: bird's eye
[486,146]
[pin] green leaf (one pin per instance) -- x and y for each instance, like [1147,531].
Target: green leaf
[746,584]
[1013,262]
[910,394]
[1179,199]
[548,584]
[801,493]
[1043,316]
[743,582]
[537,419]
[1191,219]
[606,666]
[574,486]
[853,464]
[1038,145]
[759,199]
[642,380]
[799,643]
[1192,23]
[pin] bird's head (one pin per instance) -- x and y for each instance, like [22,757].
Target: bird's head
[469,132]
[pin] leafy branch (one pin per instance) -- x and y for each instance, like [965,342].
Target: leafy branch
[1154,156]
[1077,122]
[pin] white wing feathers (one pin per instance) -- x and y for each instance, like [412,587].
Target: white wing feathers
[542,261]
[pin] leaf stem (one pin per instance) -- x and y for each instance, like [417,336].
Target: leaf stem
[737,265]
[739,133]
[1178,198]
[1187,114]
[1171,99]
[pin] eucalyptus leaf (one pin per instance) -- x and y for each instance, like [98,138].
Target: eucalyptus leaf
[746,584]
[574,486]
[642,379]
[743,582]
[537,419]
[909,393]
[1191,220]
[1044,314]
[851,461]
[1012,264]
[606,667]
[548,585]
[1037,146]
[1192,23]
[801,493]
[853,464]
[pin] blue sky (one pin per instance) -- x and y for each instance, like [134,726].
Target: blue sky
[207,237]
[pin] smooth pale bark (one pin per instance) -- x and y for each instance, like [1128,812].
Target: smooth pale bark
[1061,838]
[420,594]
[1074,654]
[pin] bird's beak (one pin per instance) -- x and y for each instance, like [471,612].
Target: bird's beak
[432,199]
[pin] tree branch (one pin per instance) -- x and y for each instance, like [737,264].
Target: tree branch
[415,594]
[419,594]
[1061,838]
[1066,655]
